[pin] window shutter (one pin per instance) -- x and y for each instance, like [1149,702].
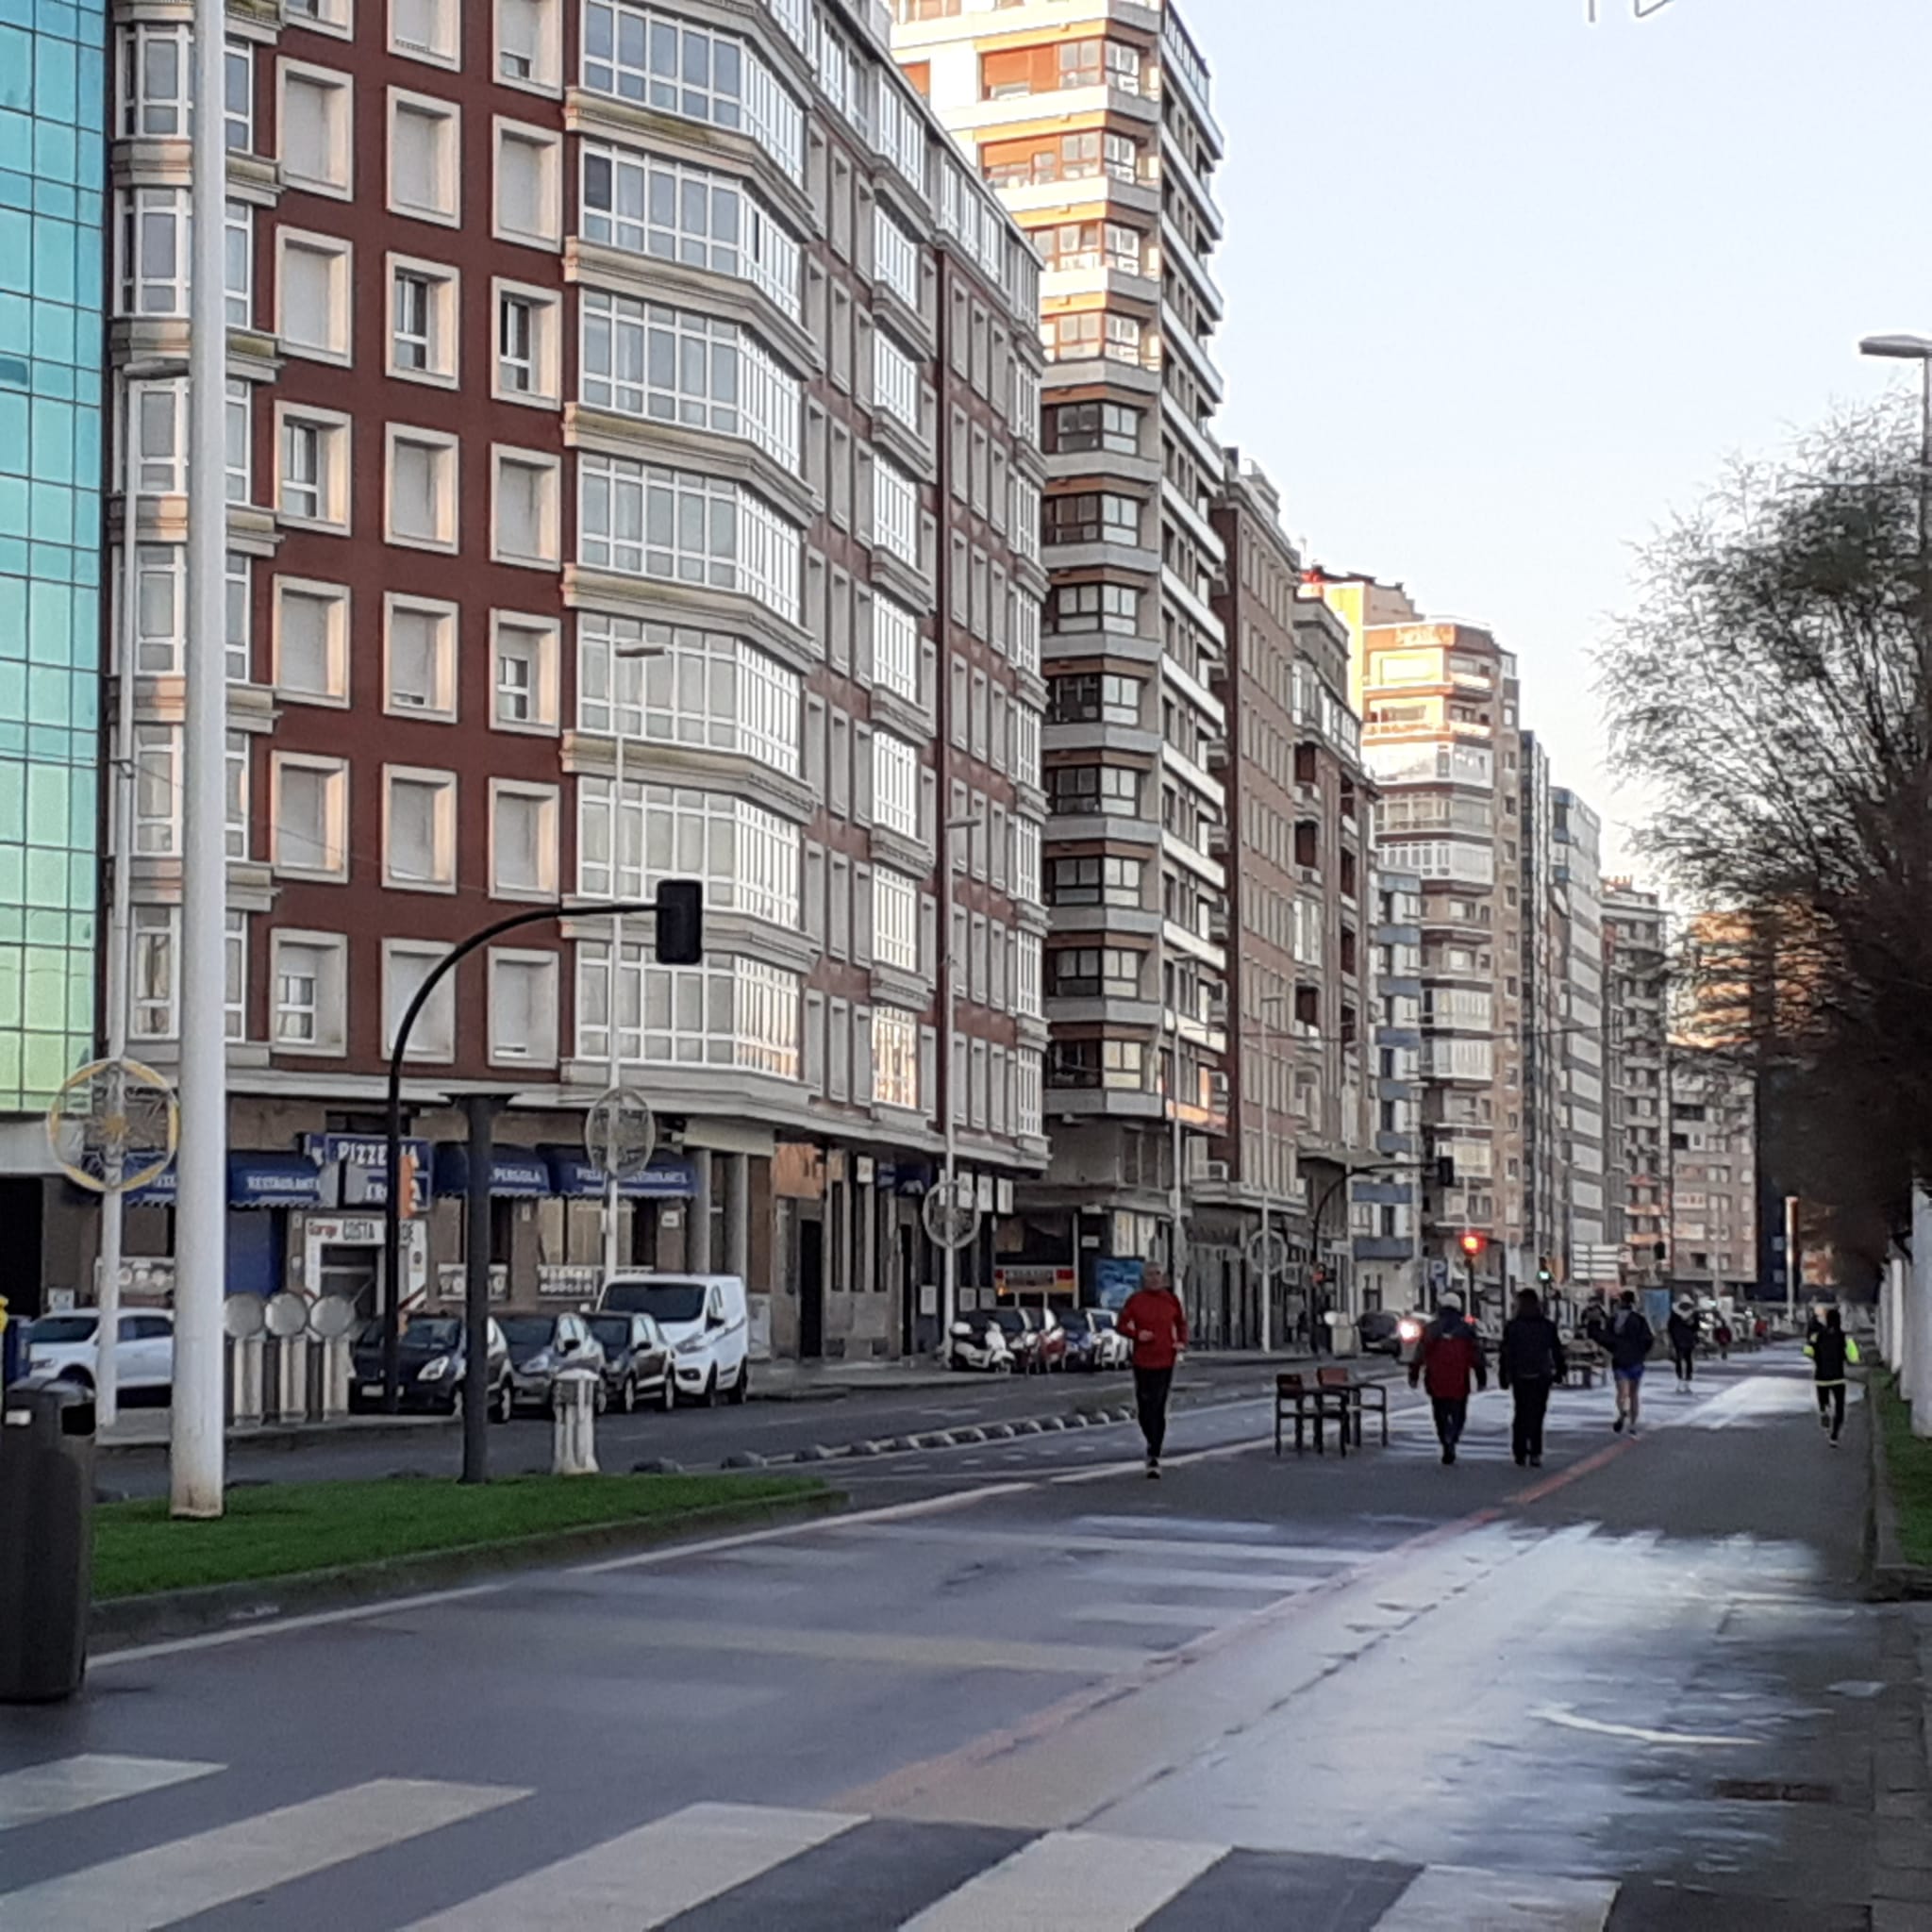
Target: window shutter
[862,774]
[861,915]
[928,935]
[861,1054]
[815,745]
[815,894]
[928,1073]
[815,1042]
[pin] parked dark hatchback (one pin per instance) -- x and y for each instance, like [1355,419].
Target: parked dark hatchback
[636,1361]
[432,1360]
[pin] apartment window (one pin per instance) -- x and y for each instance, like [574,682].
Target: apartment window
[685,528]
[526,342]
[324,16]
[318,142]
[312,641]
[1108,789]
[313,278]
[1097,426]
[1026,518]
[157,789]
[1092,516]
[423,165]
[310,808]
[419,829]
[153,973]
[747,856]
[420,656]
[309,972]
[527,40]
[523,654]
[422,488]
[895,920]
[672,365]
[522,1009]
[423,321]
[895,259]
[238,437]
[895,511]
[425,31]
[523,841]
[160,582]
[407,965]
[314,468]
[1097,881]
[530,185]
[526,515]
[894,1057]
[239,586]
[731,1013]
[1097,973]
[679,212]
[897,649]
[1095,606]
[895,784]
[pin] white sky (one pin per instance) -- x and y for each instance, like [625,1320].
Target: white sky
[1505,288]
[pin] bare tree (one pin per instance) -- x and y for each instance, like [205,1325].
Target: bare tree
[1773,690]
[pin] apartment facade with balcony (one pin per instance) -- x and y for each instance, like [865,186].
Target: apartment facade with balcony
[1579,838]
[1638,987]
[1092,120]
[633,472]
[1445,748]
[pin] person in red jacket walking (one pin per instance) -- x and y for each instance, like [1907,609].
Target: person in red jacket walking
[1156,1324]
[1447,1359]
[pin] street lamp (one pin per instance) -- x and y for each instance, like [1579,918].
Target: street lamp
[1911,348]
[949,1295]
[1263,1006]
[121,781]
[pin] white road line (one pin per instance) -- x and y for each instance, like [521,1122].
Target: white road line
[1449,1898]
[148,1889]
[646,1877]
[74,1784]
[1073,1881]
[1161,1577]
[1180,1615]
[1562,1714]
[1324,1556]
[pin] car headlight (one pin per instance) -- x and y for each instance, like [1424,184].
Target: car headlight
[693,1344]
[435,1369]
[1407,1330]
[539,1363]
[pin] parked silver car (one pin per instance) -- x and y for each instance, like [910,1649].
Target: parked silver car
[542,1346]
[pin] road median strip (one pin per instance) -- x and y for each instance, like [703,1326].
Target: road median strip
[299,1546]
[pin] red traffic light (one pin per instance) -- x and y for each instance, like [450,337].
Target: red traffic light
[1472,1245]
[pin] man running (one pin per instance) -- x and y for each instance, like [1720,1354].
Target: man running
[1832,1352]
[1156,1324]
[1450,1357]
[1530,1364]
[1630,1343]
[1683,1328]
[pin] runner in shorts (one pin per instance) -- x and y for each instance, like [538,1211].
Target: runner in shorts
[1630,1343]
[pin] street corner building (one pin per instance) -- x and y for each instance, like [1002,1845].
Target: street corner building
[634,471]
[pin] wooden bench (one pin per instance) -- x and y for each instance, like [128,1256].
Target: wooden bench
[1361,1396]
[1304,1402]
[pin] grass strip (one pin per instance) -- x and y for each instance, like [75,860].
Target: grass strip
[1910,1460]
[287,1529]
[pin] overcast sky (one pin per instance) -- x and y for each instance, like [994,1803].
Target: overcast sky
[1504,287]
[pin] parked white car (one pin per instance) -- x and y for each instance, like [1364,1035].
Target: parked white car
[66,1348]
[703,1318]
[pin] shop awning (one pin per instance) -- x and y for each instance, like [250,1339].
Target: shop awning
[517,1171]
[274,1180]
[666,1178]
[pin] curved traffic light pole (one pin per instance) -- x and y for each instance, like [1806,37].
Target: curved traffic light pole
[392,1213]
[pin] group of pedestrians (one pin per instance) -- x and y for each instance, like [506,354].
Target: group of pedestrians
[1449,1362]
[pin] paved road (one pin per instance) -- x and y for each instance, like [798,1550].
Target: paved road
[697,1438]
[1020,1689]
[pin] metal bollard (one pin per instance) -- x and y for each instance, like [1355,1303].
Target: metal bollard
[574,1407]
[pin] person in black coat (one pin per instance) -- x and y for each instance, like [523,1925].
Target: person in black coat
[1530,1364]
[1832,1352]
[1685,1326]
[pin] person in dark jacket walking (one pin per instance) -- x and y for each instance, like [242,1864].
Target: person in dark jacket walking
[1832,1352]
[1630,1342]
[1530,1364]
[1683,1328]
[1156,1324]
[1447,1359]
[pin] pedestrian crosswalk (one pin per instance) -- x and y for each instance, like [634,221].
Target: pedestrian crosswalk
[714,1867]
[1578,1421]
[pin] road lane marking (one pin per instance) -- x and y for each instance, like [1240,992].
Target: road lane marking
[909,1649]
[1073,1881]
[94,1777]
[647,1877]
[1453,1898]
[1562,1714]
[1181,1616]
[148,1889]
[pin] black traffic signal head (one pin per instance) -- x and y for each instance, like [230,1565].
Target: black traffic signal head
[1544,1272]
[1445,1169]
[680,935]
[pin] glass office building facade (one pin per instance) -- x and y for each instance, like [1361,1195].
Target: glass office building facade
[53,97]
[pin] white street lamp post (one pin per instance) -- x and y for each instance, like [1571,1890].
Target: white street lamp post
[949,1293]
[198,1448]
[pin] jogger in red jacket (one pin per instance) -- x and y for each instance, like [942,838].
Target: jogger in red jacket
[1156,1324]
[1447,1359]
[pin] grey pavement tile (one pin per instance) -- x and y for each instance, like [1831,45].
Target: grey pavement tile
[1306,1891]
[1664,1907]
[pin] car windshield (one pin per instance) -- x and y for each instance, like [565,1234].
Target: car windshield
[56,1329]
[666,1301]
[1074,1321]
[436,1336]
[613,1331]
[1012,1320]
[526,1334]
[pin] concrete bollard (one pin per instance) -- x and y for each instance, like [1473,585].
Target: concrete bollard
[575,1432]
[246,1353]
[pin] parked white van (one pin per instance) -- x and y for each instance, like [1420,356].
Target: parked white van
[704,1319]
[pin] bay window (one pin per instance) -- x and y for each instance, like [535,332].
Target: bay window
[726,1013]
[747,856]
[894,1058]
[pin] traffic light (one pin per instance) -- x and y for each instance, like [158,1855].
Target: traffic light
[1544,1272]
[680,934]
[1445,1169]
[1472,1245]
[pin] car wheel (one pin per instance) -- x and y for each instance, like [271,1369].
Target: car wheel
[742,1388]
[668,1394]
[709,1398]
[503,1406]
[628,1401]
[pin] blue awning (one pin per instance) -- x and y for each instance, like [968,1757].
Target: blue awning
[517,1171]
[274,1180]
[666,1178]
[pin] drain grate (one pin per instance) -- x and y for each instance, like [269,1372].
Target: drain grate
[1772,1792]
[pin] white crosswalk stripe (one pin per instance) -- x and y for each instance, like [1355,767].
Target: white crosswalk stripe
[647,1877]
[145,1891]
[1071,1881]
[76,1784]
[1449,1898]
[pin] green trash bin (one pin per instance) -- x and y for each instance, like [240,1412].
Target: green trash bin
[46,1539]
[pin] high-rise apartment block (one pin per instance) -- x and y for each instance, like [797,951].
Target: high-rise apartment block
[634,471]
[1092,120]
[1637,965]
